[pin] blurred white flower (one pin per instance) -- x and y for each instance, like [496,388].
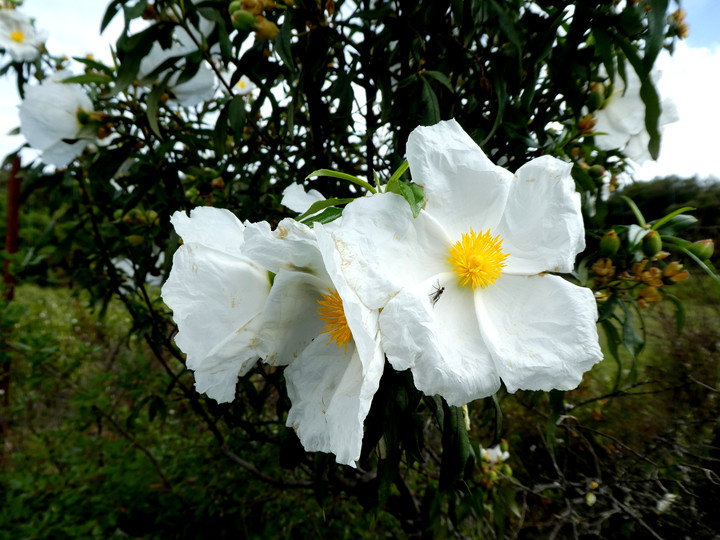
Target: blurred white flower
[217,295]
[315,323]
[494,455]
[664,504]
[244,86]
[18,36]
[464,290]
[201,86]
[53,119]
[622,120]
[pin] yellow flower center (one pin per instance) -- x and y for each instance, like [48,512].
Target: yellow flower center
[241,85]
[478,259]
[17,36]
[333,315]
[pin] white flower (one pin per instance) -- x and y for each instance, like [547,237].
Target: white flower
[622,120]
[201,86]
[465,297]
[494,455]
[18,37]
[244,86]
[315,323]
[51,120]
[664,504]
[217,295]
[298,200]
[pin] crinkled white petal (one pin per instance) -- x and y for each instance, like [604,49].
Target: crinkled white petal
[290,320]
[216,295]
[462,186]
[326,388]
[440,342]
[215,228]
[291,246]
[541,331]
[383,248]
[542,226]
[298,200]
[61,154]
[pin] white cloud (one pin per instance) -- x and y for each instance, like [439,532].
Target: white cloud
[691,77]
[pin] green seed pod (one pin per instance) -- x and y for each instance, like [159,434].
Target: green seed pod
[609,244]
[243,20]
[702,249]
[234,6]
[597,171]
[651,244]
[596,97]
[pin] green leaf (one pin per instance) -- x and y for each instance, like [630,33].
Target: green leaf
[557,406]
[326,216]
[676,224]
[412,193]
[153,107]
[342,176]
[456,446]
[603,45]
[282,41]
[237,114]
[651,99]
[679,312]
[657,20]
[635,210]
[613,342]
[428,97]
[94,64]
[89,78]
[399,172]
[320,205]
[439,77]
[110,13]
[663,220]
[220,131]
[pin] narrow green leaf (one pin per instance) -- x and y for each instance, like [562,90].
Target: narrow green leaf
[412,193]
[400,171]
[651,99]
[676,224]
[153,108]
[321,205]
[456,446]
[282,41]
[679,312]
[603,45]
[706,266]
[613,341]
[342,176]
[663,220]
[89,78]
[432,105]
[439,77]
[635,210]
[657,20]
[220,131]
[326,216]
[237,115]
[94,64]
[110,13]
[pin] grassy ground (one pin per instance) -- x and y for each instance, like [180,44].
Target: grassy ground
[101,443]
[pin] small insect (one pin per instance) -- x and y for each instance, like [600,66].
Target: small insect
[436,293]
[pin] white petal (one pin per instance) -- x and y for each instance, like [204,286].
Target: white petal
[290,246]
[215,228]
[542,227]
[197,89]
[383,248]
[298,200]
[462,186]
[541,331]
[216,298]
[290,320]
[440,343]
[61,154]
[330,398]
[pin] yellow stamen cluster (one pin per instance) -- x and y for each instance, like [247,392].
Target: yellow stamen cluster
[333,315]
[17,36]
[478,259]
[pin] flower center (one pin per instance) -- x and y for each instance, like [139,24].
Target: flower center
[17,36]
[332,314]
[478,259]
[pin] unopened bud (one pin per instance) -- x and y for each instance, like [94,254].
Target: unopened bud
[586,125]
[218,183]
[234,6]
[650,294]
[596,97]
[702,249]
[135,239]
[253,6]
[671,269]
[597,171]
[651,243]
[609,244]
[265,29]
[243,20]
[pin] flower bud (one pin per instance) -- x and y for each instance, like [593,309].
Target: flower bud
[596,97]
[597,171]
[651,243]
[586,125]
[609,244]
[135,239]
[650,294]
[671,269]
[265,29]
[235,5]
[218,182]
[243,20]
[253,6]
[702,249]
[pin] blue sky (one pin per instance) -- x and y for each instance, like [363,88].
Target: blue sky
[691,78]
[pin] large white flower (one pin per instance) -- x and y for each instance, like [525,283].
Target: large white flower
[18,37]
[464,290]
[315,323]
[51,119]
[201,86]
[217,295]
[622,120]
